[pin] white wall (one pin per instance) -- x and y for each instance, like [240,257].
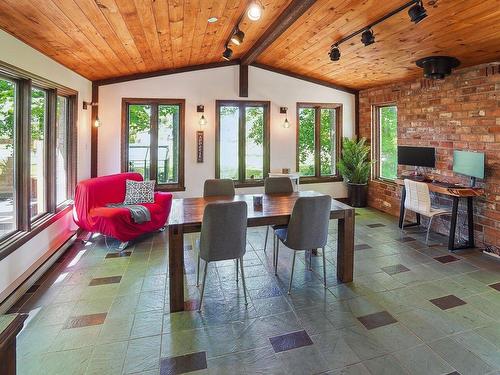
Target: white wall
[205,87]
[14,52]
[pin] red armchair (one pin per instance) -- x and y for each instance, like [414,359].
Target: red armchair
[90,212]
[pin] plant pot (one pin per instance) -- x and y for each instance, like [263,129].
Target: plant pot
[358,194]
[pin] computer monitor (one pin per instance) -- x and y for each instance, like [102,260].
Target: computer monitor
[417,156]
[469,164]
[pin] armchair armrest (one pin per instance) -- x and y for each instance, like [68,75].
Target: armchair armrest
[163,199]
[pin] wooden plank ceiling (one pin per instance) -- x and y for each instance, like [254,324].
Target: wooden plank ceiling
[111,38]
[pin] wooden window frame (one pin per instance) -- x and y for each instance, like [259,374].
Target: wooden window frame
[376,141]
[155,103]
[27,227]
[318,178]
[242,104]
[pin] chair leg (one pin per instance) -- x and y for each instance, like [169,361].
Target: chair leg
[428,230]
[198,272]
[203,285]
[403,225]
[324,267]
[265,242]
[310,259]
[236,270]
[291,274]
[243,280]
[276,261]
[274,250]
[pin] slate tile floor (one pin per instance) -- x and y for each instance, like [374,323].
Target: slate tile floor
[98,313]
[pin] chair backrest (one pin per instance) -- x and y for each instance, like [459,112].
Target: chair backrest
[417,196]
[308,226]
[278,185]
[223,231]
[218,187]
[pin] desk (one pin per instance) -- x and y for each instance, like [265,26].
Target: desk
[455,194]
[187,214]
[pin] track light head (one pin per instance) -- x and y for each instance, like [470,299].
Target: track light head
[334,53]
[237,37]
[367,37]
[227,54]
[417,12]
[255,10]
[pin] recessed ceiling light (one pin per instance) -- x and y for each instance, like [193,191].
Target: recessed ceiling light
[212,19]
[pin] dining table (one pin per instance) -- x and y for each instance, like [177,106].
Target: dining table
[186,216]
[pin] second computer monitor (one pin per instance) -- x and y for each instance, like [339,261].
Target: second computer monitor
[417,156]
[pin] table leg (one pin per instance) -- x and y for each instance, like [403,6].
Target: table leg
[176,267]
[470,221]
[402,207]
[8,345]
[345,247]
[453,225]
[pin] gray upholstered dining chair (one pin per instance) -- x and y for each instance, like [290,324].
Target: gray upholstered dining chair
[276,185]
[223,237]
[307,230]
[216,187]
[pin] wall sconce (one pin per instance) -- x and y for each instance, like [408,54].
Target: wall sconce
[202,121]
[286,123]
[89,104]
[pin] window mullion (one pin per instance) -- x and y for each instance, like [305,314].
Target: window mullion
[154,141]
[22,155]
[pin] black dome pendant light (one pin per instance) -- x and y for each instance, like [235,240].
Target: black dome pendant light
[437,67]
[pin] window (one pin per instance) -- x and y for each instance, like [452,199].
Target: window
[62,149]
[37,155]
[386,142]
[242,141]
[318,140]
[153,134]
[7,154]
[37,152]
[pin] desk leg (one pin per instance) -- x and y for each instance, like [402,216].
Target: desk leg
[345,247]
[453,224]
[176,267]
[470,221]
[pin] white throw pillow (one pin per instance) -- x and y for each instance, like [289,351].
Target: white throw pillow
[139,192]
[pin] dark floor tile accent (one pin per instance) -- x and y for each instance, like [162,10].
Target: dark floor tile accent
[447,302]
[191,305]
[118,255]
[290,341]
[362,246]
[105,280]
[183,363]
[405,239]
[377,225]
[394,269]
[33,288]
[85,320]
[446,259]
[376,320]
[416,245]
[496,286]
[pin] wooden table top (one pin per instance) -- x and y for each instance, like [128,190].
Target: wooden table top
[436,187]
[276,208]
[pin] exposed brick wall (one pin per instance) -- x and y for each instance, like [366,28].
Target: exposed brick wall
[459,112]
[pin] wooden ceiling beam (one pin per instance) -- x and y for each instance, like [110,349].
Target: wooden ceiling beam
[164,72]
[291,14]
[321,82]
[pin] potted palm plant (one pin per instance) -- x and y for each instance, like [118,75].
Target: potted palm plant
[354,166]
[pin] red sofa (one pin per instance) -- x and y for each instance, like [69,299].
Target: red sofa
[91,214]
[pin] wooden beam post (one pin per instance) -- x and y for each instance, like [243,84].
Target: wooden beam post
[293,11]
[243,81]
